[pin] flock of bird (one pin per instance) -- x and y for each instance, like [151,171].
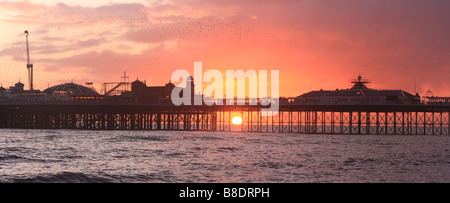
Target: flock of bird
[141,24]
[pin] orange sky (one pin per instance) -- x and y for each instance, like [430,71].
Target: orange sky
[314,44]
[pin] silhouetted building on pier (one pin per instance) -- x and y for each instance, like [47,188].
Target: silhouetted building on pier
[17,93]
[358,94]
[161,94]
[72,91]
[150,94]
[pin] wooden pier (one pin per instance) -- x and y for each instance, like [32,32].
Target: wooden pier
[306,119]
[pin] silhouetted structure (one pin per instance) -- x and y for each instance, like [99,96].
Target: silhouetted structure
[117,88]
[29,65]
[357,95]
[437,100]
[72,91]
[151,94]
[357,110]
[17,93]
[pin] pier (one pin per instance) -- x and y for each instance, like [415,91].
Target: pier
[291,118]
[357,110]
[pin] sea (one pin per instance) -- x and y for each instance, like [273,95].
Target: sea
[84,156]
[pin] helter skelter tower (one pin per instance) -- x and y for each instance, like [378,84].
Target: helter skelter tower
[29,65]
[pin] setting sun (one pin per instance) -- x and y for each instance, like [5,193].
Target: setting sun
[237,120]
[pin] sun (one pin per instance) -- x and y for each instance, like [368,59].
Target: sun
[237,120]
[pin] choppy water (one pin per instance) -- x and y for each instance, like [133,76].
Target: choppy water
[158,156]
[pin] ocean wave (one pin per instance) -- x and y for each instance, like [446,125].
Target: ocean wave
[230,149]
[270,164]
[9,157]
[64,177]
[356,160]
[176,154]
[78,177]
[141,138]
[16,158]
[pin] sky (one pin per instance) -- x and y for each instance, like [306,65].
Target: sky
[315,44]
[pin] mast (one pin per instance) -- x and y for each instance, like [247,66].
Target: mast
[29,65]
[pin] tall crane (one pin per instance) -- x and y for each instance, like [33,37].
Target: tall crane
[29,65]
